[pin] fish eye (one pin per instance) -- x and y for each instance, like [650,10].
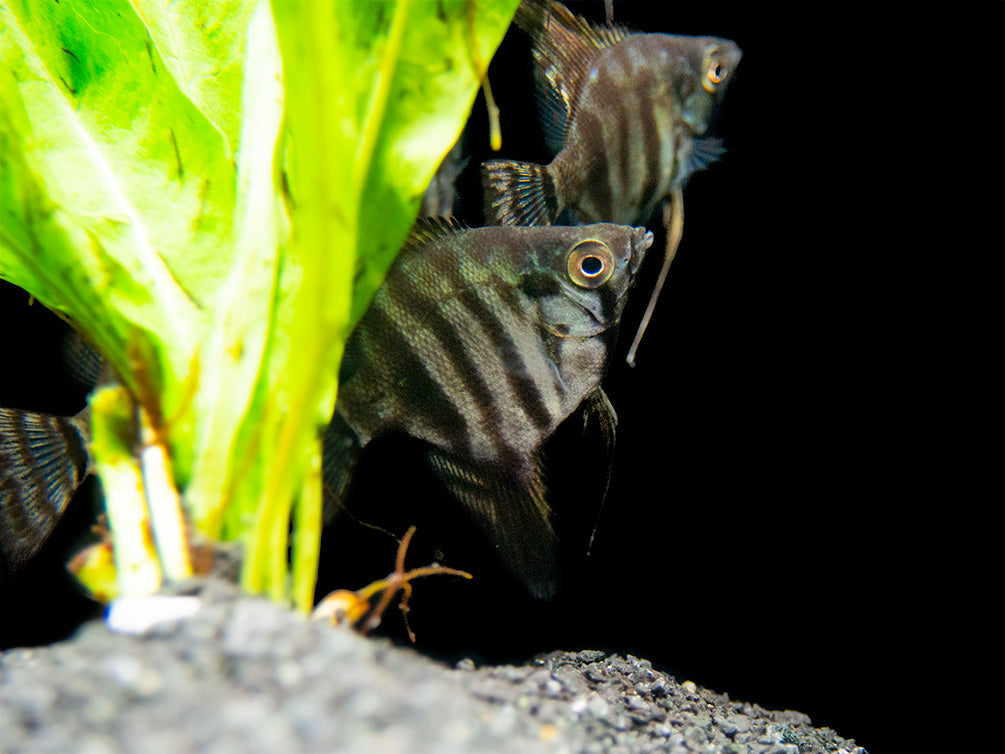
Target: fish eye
[590,263]
[715,73]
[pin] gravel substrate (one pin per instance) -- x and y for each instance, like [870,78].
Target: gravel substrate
[245,675]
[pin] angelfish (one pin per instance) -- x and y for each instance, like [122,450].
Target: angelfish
[625,113]
[43,459]
[481,342]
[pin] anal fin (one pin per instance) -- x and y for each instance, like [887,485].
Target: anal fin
[511,508]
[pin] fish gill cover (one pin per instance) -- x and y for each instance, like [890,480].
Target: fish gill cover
[212,192]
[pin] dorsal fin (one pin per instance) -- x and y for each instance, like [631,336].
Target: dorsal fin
[564,47]
[427,229]
[539,18]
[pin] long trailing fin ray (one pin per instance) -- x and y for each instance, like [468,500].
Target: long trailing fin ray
[43,459]
[511,509]
[597,407]
[673,219]
[519,193]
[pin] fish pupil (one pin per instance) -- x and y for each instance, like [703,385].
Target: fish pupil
[591,266]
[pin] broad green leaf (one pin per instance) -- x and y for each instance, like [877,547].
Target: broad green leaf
[123,206]
[377,94]
[202,43]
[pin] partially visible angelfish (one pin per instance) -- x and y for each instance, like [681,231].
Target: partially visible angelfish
[43,459]
[623,111]
[626,114]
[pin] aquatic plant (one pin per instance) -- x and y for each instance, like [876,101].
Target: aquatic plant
[212,192]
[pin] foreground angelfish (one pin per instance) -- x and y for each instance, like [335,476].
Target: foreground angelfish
[481,342]
[622,110]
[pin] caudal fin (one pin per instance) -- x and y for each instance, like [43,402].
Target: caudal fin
[43,460]
[519,193]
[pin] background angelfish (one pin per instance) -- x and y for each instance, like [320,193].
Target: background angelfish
[480,343]
[621,110]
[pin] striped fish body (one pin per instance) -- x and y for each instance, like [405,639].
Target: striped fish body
[633,138]
[624,112]
[480,343]
[43,460]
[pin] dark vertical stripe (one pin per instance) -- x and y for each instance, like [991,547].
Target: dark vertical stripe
[473,382]
[624,142]
[608,303]
[597,191]
[651,142]
[518,377]
[404,293]
[425,396]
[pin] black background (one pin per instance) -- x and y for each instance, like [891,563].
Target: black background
[807,509]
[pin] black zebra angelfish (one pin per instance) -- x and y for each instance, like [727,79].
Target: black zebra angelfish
[621,110]
[480,343]
[43,459]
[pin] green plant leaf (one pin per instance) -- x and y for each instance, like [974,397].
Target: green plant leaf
[232,355]
[202,44]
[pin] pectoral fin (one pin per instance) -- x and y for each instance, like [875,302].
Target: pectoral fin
[511,508]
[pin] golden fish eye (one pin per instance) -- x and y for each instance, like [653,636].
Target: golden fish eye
[715,73]
[590,264]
